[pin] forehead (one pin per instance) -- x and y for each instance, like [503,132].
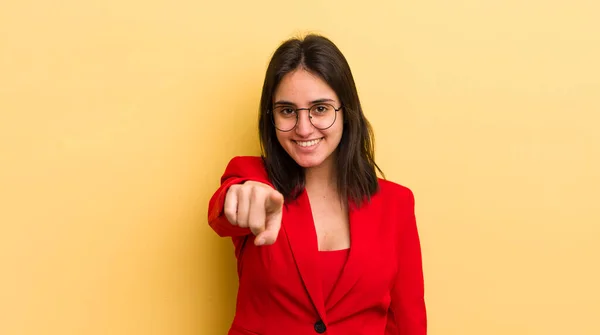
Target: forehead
[301,87]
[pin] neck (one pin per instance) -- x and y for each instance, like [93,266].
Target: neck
[322,178]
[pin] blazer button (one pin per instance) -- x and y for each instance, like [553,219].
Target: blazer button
[320,327]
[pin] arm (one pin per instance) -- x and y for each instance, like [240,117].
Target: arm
[407,313]
[239,170]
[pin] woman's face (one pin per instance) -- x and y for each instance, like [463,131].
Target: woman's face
[308,146]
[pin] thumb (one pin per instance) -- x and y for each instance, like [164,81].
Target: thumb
[272,227]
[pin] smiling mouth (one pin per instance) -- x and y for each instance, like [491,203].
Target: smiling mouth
[310,143]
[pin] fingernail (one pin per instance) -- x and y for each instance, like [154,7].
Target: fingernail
[260,241]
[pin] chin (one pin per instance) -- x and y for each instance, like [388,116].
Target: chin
[308,162]
[311,160]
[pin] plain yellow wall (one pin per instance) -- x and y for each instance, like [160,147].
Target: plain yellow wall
[117,119]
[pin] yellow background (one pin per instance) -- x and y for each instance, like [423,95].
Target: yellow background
[117,119]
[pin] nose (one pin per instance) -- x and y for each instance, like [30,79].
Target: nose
[304,126]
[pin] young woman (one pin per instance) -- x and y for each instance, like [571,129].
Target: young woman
[323,245]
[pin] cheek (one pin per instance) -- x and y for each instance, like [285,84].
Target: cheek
[284,141]
[336,132]
[281,137]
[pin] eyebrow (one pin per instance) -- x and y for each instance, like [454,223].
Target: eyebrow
[288,103]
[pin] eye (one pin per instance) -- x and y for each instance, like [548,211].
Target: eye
[321,109]
[285,111]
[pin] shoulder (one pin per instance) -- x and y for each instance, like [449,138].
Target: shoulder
[396,194]
[251,167]
[390,188]
[255,161]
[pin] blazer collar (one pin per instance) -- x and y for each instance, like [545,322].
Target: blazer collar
[302,236]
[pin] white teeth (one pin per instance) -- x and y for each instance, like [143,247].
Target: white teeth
[308,143]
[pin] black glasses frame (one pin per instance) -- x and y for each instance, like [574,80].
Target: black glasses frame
[309,117]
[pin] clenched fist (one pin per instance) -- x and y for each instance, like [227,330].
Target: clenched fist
[256,206]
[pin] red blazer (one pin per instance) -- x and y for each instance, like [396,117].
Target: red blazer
[380,291]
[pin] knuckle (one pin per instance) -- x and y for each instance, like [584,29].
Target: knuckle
[229,213]
[233,189]
[254,224]
[245,191]
[232,221]
[242,221]
[257,192]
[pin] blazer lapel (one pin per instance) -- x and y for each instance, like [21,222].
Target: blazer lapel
[361,240]
[302,237]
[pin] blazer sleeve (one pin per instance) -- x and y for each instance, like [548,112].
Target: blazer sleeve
[239,170]
[407,313]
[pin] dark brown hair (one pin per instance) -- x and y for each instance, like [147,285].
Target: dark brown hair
[355,165]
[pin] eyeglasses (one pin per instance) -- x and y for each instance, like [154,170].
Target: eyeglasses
[322,116]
